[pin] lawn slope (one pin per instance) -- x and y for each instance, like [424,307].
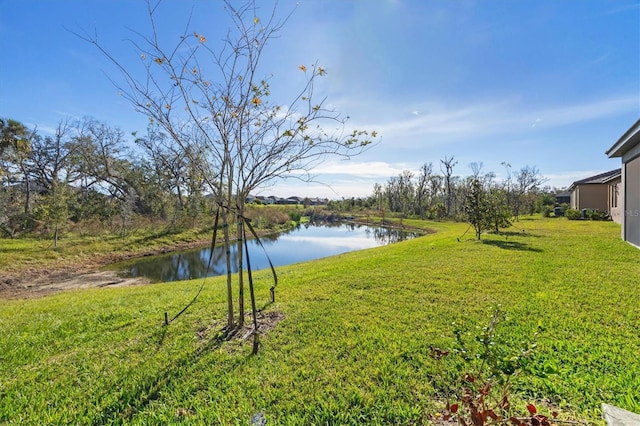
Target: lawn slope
[353,344]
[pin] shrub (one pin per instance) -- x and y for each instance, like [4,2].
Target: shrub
[573,214]
[546,211]
[597,215]
[266,217]
[295,215]
[482,394]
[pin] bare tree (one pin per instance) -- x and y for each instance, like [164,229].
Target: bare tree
[448,165]
[51,165]
[528,179]
[218,101]
[422,188]
[406,192]
[476,169]
[101,152]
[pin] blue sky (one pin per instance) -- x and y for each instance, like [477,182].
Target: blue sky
[550,84]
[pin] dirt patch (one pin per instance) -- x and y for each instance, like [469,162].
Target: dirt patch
[79,273]
[267,321]
[14,288]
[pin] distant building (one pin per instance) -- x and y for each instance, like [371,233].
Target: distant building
[319,201]
[597,192]
[563,197]
[289,200]
[628,149]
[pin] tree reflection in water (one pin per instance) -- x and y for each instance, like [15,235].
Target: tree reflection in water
[306,242]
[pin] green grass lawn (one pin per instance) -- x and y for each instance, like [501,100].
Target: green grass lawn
[353,347]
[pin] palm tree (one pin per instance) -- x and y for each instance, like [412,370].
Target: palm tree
[13,134]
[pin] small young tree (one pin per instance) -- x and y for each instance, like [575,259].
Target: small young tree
[217,100]
[498,214]
[476,207]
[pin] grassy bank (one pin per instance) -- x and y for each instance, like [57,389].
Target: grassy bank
[25,253]
[29,257]
[353,346]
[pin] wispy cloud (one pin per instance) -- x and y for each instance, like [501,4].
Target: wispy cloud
[600,59]
[578,113]
[347,179]
[366,169]
[449,123]
[625,8]
[565,179]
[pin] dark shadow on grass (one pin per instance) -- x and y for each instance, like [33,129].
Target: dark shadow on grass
[135,396]
[265,306]
[511,245]
[164,233]
[521,233]
[160,334]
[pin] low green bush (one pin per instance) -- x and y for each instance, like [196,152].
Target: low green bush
[597,215]
[295,215]
[589,214]
[573,214]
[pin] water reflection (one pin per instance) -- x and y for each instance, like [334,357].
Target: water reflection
[306,242]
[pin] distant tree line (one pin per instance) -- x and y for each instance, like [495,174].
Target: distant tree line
[88,171]
[481,199]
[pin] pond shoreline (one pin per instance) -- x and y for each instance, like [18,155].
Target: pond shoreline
[88,272]
[34,282]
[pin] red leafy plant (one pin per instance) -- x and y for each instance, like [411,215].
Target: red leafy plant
[482,393]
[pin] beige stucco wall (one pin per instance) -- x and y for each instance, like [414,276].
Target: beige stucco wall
[590,196]
[631,178]
[615,203]
[628,147]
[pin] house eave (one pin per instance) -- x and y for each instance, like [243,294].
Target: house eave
[630,138]
[613,177]
[598,179]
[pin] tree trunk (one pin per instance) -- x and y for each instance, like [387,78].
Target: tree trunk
[27,188]
[227,247]
[227,239]
[241,236]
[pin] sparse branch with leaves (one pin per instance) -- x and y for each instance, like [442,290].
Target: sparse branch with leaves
[214,100]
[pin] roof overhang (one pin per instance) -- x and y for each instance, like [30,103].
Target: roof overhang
[613,177]
[600,179]
[627,141]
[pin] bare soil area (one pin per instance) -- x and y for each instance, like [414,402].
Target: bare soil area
[15,288]
[84,273]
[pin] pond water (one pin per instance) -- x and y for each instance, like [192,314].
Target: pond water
[306,242]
